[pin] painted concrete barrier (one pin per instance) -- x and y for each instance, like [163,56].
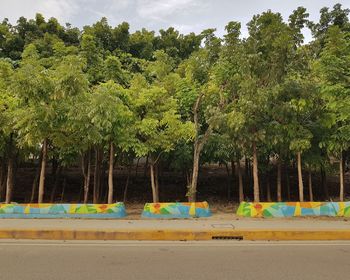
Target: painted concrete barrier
[48,210]
[294,209]
[176,210]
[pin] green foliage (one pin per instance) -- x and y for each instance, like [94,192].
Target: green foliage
[109,113]
[173,95]
[332,70]
[158,124]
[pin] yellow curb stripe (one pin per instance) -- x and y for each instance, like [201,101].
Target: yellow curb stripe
[171,234]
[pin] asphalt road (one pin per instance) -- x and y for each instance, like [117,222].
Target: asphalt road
[174,260]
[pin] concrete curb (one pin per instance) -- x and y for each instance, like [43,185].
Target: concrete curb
[171,234]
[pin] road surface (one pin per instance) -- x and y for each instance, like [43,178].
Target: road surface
[234,260]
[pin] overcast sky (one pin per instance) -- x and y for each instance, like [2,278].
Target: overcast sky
[185,15]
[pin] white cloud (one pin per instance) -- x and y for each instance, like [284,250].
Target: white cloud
[188,28]
[159,10]
[64,10]
[115,11]
[118,5]
[185,15]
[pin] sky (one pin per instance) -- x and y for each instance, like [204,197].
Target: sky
[185,15]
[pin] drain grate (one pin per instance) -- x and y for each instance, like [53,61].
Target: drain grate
[227,237]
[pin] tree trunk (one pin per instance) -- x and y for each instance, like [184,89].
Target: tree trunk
[240,181]
[197,148]
[287,182]
[2,178]
[110,173]
[137,167]
[88,178]
[255,174]
[268,187]
[36,178]
[311,195]
[145,167]
[103,192]
[96,179]
[97,175]
[127,185]
[193,188]
[279,181]
[188,179]
[56,183]
[324,182]
[247,169]
[64,184]
[156,179]
[15,168]
[42,172]
[9,181]
[153,183]
[248,173]
[54,166]
[233,172]
[341,178]
[9,178]
[300,178]
[86,166]
[228,179]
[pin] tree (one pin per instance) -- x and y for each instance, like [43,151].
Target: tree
[33,121]
[102,34]
[336,17]
[141,43]
[41,92]
[8,141]
[120,37]
[227,74]
[158,124]
[112,118]
[332,69]
[200,99]
[263,67]
[94,58]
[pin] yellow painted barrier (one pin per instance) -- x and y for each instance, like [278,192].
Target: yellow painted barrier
[170,234]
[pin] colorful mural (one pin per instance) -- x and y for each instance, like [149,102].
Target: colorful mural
[47,210]
[175,210]
[294,209]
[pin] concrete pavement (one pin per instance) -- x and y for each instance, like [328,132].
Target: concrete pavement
[196,224]
[33,260]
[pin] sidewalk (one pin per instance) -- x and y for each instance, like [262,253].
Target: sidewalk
[188,224]
[191,229]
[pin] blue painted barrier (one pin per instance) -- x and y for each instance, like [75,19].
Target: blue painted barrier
[56,211]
